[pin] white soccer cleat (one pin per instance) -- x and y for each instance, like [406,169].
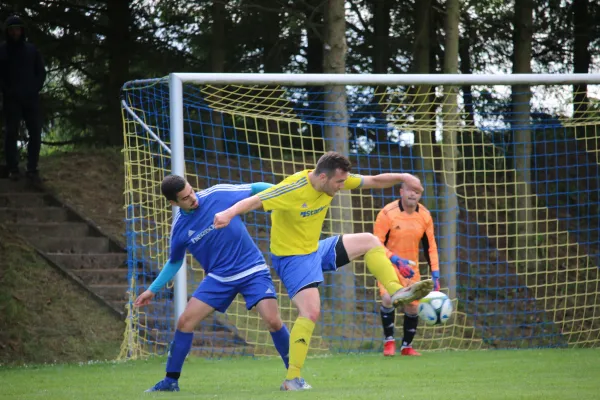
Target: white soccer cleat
[295,384]
[416,291]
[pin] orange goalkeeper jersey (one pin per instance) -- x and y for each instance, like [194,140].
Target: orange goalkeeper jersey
[401,233]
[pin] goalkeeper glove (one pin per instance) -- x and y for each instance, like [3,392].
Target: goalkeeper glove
[404,266]
[435,275]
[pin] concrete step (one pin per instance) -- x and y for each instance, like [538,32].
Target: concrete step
[13,215]
[102,276]
[115,292]
[55,229]
[157,319]
[92,261]
[119,305]
[74,245]
[202,337]
[21,200]
[204,351]
[22,186]
[155,308]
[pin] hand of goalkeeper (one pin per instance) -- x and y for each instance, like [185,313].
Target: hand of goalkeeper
[435,275]
[404,266]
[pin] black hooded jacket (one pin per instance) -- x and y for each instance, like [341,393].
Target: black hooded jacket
[22,72]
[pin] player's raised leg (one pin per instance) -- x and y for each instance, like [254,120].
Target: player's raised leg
[195,311]
[367,244]
[308,302]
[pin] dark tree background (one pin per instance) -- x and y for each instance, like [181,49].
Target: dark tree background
[92,47]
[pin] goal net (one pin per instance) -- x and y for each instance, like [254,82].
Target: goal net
[511,177]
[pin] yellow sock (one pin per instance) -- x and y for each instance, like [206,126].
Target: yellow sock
[299,342]
[382,268]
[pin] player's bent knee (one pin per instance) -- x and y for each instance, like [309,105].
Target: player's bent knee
[357,244]
[273,322]
[412,309]
[312,315]
[308,302]
[386,300]
[194,313]
[185,323]
[372,241]
[310,311]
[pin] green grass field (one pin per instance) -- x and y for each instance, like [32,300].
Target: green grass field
[510,374]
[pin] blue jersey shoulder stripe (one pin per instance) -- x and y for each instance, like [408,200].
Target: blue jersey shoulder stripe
[224,188]
[175,219]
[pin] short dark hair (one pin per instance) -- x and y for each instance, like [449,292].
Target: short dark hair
[330,162]
[171,185]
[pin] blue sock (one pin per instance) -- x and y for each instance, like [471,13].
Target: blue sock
[281,339]
[178,350]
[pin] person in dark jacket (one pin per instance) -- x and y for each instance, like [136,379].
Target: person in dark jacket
[22,76]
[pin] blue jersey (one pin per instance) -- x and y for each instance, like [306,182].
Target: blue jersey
[225,254]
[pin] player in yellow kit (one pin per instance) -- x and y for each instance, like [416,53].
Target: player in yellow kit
[300,203]
[401,226]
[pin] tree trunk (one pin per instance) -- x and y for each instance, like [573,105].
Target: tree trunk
[423,103]
[581,62]
[449,217]
[314,64]
[521,96]
[465,68]
[381,56]
[271,37]
[272,63]
[336,137]
[216,144]
[118,46]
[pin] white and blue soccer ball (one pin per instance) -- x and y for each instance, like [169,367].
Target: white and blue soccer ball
[435,308]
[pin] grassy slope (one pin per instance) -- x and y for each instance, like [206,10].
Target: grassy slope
[92,181]
[528,374]
[45,317]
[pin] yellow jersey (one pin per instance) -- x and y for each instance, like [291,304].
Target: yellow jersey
[298,213]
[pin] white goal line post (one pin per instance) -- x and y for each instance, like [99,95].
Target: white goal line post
[176,109]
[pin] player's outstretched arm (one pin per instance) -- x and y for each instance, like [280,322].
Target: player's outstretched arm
[167,273]
[383,181]
[431,253]
[243,206]
[223,218]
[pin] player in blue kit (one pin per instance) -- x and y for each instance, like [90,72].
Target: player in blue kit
[232,262]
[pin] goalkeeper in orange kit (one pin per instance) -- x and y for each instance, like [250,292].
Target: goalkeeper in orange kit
[401,225]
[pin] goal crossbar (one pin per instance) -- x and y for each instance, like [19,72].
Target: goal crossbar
[385,79]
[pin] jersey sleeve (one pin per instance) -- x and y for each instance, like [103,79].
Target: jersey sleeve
[354,181]
[258,187]
[177,249]
[228,194]
[430,245]
[381,229]
[283,195]
[166,274]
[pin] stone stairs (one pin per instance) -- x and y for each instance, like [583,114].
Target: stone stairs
[71,243]
[98,263]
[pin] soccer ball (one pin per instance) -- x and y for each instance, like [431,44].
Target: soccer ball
[435,308]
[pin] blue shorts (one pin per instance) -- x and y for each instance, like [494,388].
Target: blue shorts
[297,272]
[219,295]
